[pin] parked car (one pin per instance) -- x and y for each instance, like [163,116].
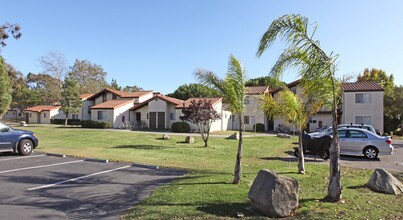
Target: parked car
[353,141]
[13,140]
[329,131]
[356,141]
[317,146]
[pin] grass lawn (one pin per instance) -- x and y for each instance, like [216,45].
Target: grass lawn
[205,192]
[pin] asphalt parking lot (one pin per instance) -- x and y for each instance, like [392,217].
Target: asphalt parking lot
[49,187]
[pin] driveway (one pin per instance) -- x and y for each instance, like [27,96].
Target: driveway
[48,187]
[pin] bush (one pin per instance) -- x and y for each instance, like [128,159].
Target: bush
[69,122]
[180,127]
[95,124]
[259,127]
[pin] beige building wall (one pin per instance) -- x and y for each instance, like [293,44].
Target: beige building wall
[144,98]
[374,109]
[85,111]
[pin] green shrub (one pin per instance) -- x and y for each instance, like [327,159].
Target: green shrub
[259,127]
[95,124]
[69,122]
[180,127]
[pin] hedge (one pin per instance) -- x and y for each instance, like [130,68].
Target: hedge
[180,127]
[259,127]
[69,122]
[95,124]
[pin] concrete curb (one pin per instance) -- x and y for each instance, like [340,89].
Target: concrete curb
[55,155]
[96,160]
[145,166]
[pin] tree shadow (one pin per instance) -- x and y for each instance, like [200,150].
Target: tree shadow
[356,158]
[356,187]
[226,210]
[143,147]
[294,159]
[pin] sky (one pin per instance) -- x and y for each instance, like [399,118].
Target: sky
[158,44]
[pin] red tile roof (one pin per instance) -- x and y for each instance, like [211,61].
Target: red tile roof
[361,87]
[289,85]
[40,108]
[253,90]
[85,96]
[158,96]
[187,102]
[112,104]
[120,93]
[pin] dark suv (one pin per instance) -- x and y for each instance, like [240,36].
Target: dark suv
[19,141]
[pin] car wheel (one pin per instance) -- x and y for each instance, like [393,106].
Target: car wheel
[25,147]
[371,152]
[325,155]
[296,153]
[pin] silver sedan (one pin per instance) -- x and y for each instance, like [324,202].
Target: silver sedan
[355,141]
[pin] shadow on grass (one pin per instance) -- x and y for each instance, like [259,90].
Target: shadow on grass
[356,187]
[205,183]
[226,210]
[152,147]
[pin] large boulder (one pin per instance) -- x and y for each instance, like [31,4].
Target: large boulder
[189,140]
[234,136]
[274,195]
[384,182]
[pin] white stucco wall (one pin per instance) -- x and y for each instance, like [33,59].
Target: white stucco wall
[144,97]
[374,109]
[85,111]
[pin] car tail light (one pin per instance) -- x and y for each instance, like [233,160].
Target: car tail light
[389,141]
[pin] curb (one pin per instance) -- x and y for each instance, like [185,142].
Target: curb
[55,155]
[96,160]
[145,166]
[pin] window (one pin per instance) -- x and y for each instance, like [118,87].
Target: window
[357,134]
[30,115]
[102,115]
[114,96]
[45,115]
[363,120]
[363,98]
[74,116]
[246,120]
[172,116]
[104,97]
[246,101]
[312,120]
[342,133]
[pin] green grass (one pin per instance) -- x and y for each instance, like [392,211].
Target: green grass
[206,191]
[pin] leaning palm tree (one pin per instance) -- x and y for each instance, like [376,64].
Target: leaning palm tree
[317,71]
[232,88]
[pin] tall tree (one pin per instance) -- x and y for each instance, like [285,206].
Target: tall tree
[193,90]
[134,88]
[232,88]
[295,111]
[54,63]
[115,85]
[6,29]
[202,114]
[19,87]
[90,77]
[317,71]
[272,82]
[46,87]
[5,89]
[71,101]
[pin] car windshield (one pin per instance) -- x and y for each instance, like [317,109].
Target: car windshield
[3,127]
[328,131]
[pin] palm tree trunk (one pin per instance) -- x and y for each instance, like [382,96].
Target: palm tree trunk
[334,189]
[238,168]
[301,161]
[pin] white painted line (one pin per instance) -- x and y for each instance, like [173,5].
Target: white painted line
[42,166]
[26,157]
[77,178]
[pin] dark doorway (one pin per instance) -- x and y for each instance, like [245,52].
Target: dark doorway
[27,118]
[138,116]
[270,125]
[161,120]
[153,120]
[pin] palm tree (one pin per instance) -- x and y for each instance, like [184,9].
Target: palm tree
[232,88]
[317,72]
[293,110]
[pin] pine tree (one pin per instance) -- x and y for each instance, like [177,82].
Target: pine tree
[71,101]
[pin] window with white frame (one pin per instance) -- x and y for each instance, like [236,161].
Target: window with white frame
[246,120]
[101,115]
[45,115]
[363,98]
[246,101]
[74,116]
[363,120]
[172,116]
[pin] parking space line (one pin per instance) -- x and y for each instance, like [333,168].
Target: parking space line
[77,178]
[42,166]
[26,157]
